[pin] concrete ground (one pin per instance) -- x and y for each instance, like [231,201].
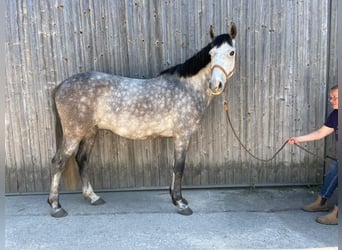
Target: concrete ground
[261,218]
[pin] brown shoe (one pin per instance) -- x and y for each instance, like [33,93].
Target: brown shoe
[329,219]
[317,206]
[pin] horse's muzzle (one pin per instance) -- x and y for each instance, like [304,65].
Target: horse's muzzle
[216,88]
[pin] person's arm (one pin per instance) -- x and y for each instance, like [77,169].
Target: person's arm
[315,135]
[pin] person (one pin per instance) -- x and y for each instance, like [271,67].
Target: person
[331,180]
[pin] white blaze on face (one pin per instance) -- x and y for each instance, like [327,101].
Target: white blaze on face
[222,64]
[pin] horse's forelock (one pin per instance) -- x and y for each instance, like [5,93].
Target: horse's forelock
[219,40]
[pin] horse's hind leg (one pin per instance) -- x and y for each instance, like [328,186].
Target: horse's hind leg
[64,152]
[82,158]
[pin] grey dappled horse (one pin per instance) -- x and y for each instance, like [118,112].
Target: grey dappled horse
[169,105]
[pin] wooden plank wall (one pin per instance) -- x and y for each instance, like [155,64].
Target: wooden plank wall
[286,64]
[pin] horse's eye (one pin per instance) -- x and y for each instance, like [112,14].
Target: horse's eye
[231,53]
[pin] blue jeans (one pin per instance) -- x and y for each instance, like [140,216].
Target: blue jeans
[331,180]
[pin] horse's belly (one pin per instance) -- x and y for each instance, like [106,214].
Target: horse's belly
[140,130]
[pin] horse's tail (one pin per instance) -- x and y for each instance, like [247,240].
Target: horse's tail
[70,173]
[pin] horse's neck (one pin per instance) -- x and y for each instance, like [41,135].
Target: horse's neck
[200,82]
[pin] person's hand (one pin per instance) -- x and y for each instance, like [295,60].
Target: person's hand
[292,140]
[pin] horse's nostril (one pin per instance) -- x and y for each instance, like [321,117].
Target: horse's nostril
[216,86]
[220,85]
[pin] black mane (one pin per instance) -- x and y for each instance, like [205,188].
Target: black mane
[193,65]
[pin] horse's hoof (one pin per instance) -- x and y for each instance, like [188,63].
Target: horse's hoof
[58,213]
[185,211]
[99,201]
[183,207]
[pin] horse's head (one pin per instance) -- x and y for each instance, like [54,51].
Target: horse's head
[223,57]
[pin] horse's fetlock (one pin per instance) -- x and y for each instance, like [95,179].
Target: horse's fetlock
[54,204]
[176,196]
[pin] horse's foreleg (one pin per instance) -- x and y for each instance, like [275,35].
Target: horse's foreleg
[177,176]
[82,159]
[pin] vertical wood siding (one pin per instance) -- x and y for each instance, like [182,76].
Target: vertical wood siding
[286,64]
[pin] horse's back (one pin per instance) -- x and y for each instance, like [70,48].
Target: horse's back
[83,83]
[134,108]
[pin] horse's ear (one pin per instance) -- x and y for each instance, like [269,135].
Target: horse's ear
[233,30]
[212,32]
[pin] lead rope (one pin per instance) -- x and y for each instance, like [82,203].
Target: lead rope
[225,105]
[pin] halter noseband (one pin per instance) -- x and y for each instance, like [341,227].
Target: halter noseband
[225,73]
[223,70]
